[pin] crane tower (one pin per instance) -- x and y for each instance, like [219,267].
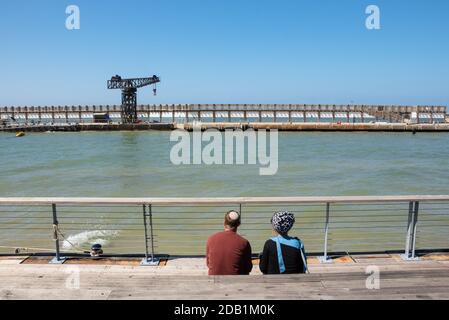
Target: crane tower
[129,94]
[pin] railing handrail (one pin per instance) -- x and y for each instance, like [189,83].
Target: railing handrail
[215,200]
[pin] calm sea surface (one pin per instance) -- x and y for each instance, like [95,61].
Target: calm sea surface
[137,164]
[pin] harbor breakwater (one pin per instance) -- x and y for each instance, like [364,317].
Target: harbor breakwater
[88,127]
[348,127]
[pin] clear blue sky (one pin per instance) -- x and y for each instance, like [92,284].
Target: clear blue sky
[226,51]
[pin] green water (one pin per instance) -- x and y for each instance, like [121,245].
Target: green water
[137,164]
[133,164]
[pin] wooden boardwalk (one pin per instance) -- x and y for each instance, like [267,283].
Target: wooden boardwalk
[346,278]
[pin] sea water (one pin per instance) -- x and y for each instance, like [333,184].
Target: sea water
[137,164]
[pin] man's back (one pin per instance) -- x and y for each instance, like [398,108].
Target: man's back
[228,254]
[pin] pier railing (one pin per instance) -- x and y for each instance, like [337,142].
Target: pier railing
[180,226]
[187,113]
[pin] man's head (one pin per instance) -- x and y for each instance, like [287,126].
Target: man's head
[232,220]
[282,222]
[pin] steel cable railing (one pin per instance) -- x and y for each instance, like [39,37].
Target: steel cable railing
[433,225]
[181,226]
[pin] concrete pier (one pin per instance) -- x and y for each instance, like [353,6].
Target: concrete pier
[88,127]
[379,127]
[301,127]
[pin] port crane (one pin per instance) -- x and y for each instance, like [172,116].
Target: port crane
[129,94]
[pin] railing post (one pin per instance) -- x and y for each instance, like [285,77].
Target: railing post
[57,259]
[415,228]
[152,235]
[410,242]
[144,207]
[325,258]
[149,259]
[406,254]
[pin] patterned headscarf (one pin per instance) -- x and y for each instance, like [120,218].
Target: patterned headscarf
[283,221]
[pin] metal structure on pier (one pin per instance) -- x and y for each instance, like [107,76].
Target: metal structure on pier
[187,113]
[129,94]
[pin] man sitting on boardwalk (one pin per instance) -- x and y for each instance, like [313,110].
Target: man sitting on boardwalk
[227,252]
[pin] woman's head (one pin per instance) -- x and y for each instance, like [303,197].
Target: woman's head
[282,222]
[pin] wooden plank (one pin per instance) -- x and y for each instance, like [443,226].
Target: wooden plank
[104,261]
[219,294]
[416,284]
[436,257]
[421,280]
[343,260]
[42,294]
[400,290]
[11,260]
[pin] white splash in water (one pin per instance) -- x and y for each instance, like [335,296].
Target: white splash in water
[89,238]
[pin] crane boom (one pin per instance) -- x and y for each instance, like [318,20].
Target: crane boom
[118,83]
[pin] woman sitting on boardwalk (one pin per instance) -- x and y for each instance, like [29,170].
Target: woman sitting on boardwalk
[283,254]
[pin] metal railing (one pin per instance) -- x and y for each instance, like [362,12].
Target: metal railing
[225,107]
[180,226]
[186,113]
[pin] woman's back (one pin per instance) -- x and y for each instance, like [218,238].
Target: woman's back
[291,260]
